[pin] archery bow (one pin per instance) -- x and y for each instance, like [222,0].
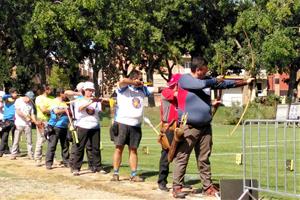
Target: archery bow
[252,74]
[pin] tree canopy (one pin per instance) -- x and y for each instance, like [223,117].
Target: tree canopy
[113,35]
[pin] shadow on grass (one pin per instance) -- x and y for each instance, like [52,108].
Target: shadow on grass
[192,182]
[147,174]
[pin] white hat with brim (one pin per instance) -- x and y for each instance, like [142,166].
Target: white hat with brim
[79,86]
[89,85]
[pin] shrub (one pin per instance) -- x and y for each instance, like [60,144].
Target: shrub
[270,100]
[232,114]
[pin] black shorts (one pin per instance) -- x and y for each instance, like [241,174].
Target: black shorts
[130,135]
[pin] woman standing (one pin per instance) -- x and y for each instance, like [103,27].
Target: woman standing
[59,122]
[88,129]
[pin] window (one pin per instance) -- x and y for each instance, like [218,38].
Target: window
[259,88]
[187,64]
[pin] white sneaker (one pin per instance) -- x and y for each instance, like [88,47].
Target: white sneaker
[38,163]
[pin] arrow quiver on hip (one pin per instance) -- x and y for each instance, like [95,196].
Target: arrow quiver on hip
[178,135]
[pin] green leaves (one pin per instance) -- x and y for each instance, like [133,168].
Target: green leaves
[279,49]
[59,78]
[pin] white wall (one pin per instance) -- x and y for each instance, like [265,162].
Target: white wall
[232,95]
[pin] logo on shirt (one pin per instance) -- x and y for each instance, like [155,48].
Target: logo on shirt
[90,111]
[136,102]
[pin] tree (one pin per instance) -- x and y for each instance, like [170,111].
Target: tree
[263,37]
[58,78]
[13,17]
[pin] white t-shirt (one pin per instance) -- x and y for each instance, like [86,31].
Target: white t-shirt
[25,108]
[75,108]
[130,104]
[89,117]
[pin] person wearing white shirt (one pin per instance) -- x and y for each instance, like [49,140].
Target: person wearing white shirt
[88,129]
[129,114]
[23,117]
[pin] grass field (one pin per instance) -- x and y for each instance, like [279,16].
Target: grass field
[223,158]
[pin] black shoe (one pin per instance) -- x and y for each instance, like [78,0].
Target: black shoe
[1,154]
[93,169]
[163,187]
[98,170]
[66,165]
[48,167]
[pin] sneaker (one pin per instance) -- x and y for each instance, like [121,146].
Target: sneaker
[115,177]
[102,171]
[13,158]
[38,163]
[75,173]
[136,179]
[178,193]
[211,191]
[30,157]
[163,187]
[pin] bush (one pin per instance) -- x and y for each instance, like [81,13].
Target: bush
[231,115]
[270,100]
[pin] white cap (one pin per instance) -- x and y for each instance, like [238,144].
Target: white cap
[89,85]
[80,86]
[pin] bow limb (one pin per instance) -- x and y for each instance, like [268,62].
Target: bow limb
[244,112]
[215,107]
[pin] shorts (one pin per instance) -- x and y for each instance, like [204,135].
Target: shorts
[130,135]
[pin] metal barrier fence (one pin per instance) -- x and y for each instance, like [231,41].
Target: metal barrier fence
[271,155]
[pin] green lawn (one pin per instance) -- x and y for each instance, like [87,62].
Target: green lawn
[223,158]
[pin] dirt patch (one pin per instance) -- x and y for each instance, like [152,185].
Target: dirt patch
[21,179]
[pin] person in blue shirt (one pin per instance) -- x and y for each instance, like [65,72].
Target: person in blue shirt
[59,121]
[8,118]
[194,98]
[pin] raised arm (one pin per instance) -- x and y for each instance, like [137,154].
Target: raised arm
[127,81]
[188,82]
[232,83]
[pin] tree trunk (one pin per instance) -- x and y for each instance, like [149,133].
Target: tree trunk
[42,71]
[149,73]
[74,77]
[292,81]
[95,80]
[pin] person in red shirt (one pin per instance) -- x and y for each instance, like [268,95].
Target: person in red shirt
[168,112]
